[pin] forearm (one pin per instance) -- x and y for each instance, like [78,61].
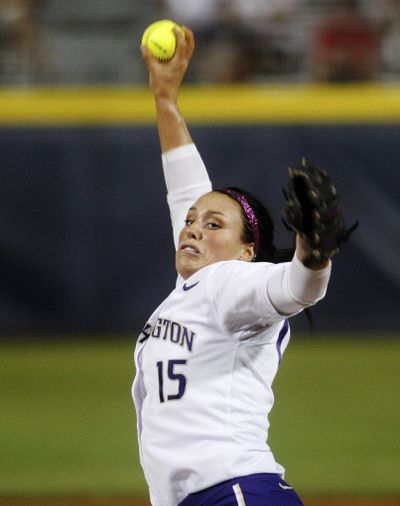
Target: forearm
[172,129]
[295,287]
[165,79]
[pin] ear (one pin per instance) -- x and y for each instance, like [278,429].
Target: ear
[247,253]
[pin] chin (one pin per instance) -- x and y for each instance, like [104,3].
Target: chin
[185,273]
[185,270]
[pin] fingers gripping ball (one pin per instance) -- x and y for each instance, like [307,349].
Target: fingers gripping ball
[313,210]
[160,38]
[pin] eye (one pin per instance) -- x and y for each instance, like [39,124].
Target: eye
[212,225]
[188,222]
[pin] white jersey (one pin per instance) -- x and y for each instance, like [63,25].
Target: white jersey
[205,363]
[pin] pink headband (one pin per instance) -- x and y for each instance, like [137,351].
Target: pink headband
[250,215]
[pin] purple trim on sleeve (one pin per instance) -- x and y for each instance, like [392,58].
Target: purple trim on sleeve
[283,332]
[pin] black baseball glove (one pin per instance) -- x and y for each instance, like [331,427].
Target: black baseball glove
[313,211]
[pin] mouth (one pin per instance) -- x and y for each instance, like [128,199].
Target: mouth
[189,249]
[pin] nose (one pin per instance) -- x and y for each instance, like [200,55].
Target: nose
[193,231]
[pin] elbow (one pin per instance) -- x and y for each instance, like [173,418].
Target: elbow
[294,287]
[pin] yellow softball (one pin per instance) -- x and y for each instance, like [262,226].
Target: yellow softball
[160,38]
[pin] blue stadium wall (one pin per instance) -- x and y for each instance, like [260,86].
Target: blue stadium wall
[85,234]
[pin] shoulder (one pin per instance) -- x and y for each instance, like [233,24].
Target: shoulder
[235,276]
[239,293]
[231,274]
[240,268]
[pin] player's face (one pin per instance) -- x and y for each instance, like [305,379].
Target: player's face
[213,232]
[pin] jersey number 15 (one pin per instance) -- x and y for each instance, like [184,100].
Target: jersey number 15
[173,376]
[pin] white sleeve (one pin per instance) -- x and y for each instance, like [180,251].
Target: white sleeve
[249,296]
[186,179]
[294,286]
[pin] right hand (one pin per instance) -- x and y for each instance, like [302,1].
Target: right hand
[165,78]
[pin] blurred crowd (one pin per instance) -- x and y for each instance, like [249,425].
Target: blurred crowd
[97,41]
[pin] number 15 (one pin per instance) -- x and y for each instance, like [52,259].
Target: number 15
[172,376]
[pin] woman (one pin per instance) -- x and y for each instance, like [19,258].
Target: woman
[208,355]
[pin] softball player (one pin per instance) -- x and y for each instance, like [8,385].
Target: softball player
[207,356]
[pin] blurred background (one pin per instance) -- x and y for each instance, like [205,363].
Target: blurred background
[86,251]
[50,42]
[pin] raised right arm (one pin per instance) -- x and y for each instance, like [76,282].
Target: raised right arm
[184,171]
[165,79]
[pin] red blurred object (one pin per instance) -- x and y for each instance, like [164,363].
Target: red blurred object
[346,46]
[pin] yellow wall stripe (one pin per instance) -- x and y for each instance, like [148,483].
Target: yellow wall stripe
[287,104]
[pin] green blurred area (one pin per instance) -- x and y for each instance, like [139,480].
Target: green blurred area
[67,424]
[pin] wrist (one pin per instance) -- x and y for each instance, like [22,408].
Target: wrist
[166,103]
[304,254]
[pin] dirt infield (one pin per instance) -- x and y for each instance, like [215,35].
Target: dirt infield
[134,502]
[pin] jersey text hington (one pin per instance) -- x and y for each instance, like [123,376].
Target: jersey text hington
[168,330]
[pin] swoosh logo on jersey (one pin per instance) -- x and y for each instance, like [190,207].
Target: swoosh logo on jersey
[189,287]
[285,487]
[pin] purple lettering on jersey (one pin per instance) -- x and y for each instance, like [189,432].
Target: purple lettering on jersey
[283,332]
[175,332]
[166,323]
[145,334]
[157,328]
[168,330]
[187,338]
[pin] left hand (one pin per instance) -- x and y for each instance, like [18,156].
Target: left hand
[313,211]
